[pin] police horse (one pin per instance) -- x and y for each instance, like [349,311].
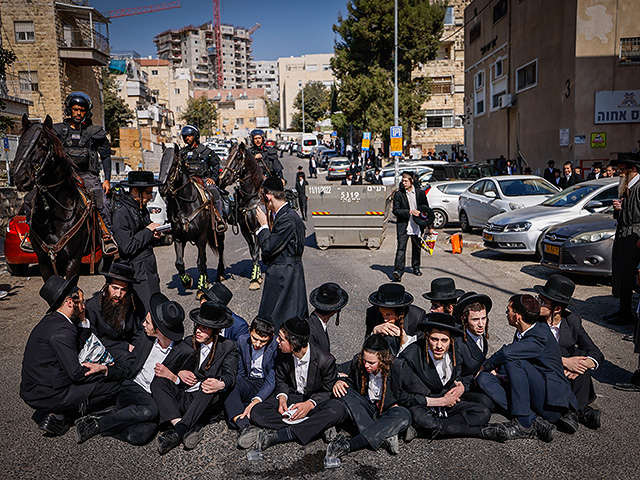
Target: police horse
[62,213]
[190,212]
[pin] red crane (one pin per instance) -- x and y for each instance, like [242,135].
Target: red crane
[126,12]
[218,34]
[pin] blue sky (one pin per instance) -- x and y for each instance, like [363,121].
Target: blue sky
[289,27]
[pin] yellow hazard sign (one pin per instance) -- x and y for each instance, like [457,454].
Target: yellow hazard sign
[598,140]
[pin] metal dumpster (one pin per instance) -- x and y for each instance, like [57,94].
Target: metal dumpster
[350,215]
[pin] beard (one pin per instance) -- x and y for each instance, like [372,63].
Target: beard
[115,313]
[623,185]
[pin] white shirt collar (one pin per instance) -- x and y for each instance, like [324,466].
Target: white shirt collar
[634,180]
[479,341]
[305,358]
[520,335]
[444,367]
[83,324]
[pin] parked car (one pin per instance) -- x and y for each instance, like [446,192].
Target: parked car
[338,168]
[18,261]
[388,173]
[309,141]
[316,151]
[521,231]
[270,143]
[494,195]
[404,165]
[222,152]
[460,171]
[326,156]
[443,199]
[582,245]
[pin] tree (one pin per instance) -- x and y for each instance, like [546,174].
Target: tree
[363,60]
[116,113]
[316,106]
[202,113]
[7,57]
[273,110]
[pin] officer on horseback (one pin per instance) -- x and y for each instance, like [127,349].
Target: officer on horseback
[204,163]
[267,156]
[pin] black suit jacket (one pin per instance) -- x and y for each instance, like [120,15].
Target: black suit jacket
[573,179]
[50,364]
[376,181]
[414,316]
[549,175]
[471,357]
[224,366]
[268,364]
[401,207]
[574,341]
[321,377]
[318,336]
[403,386]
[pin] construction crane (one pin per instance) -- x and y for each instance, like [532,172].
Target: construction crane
[126,12]
[218,34]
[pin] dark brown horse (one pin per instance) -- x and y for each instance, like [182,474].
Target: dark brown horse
[61,216]
[244,171]
[190,216]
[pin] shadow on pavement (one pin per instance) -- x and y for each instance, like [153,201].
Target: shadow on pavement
[611,373]
[310,464]
[386,269]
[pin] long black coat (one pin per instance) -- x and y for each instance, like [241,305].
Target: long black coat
[319,335]
[401,207]
[471,357]
[50,367]
[135,243]
[284,292]
[116,343]
[574,341]
[225,361]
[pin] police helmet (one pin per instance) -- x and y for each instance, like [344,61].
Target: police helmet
[255,133]
[190,130]
[78,98]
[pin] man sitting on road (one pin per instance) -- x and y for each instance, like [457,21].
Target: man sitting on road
[443,295]
[328,299]
[221,296]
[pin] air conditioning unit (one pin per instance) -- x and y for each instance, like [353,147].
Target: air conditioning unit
[504,101]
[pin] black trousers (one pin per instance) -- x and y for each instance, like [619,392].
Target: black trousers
[582,387]
[323,416]
[240,397]
[464,419]
[302,200]
[401,251]
[79,399]
[136,420]
[373,426]
[175,402]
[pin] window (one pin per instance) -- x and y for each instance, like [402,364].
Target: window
[441,85]
[495,99]
[498,68]
[28,81]
[527,76]
[479,80]
[176,90]
[607,197]
[474,33]
[312,68]
[325,67]
[24,31]
[476,187]
[629,50]
[438,119]
[178,109]
[500,10]
[449,16]
[154,72]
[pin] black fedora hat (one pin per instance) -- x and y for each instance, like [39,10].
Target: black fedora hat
[467,299]
[56,289]
[557,289]
[425,218]
[212,315]
[121,271]
[443,290]
[628,158]
[597,164]
[441,321]
[329,297]
[140,179]
[274,184]
[218,294]
[391,295]
[167,316]
[551,162]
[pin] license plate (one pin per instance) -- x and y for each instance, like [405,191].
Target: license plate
[487,236]
[552,249]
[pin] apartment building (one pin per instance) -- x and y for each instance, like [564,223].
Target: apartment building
[266,77]
[552,80]
[239,110]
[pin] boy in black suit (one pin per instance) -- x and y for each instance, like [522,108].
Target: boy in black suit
[305,376]
[328,299]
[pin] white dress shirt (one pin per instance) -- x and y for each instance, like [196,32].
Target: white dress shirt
[374,391]
[412,227]
[147,374]
[444,367]
[302,370]
[479,341]
[256,362]
[205,350]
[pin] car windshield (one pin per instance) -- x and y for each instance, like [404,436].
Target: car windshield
[525,187]
[339,163]
[570,196]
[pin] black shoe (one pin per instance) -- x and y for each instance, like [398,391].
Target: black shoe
[621,320]
[632,386]
[55,425]
[86,427]
[494,431]
[569,422]
[514,430]
[543,429]
[410,433]
[338,448]
[193,437]
[168,441]
[329,435]
[417,272]
[590,417]
[266,438]
[397,276]
[391,445]
[247,436]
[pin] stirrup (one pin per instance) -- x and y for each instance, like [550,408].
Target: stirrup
[221,225]
[25,245]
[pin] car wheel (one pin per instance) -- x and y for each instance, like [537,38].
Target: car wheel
[464,222]
[440,218]
[18,269]
[539,247]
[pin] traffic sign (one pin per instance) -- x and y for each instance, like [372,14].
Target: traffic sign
[6,144]
[599,140]
[366,141]
[334,134]
[396,141]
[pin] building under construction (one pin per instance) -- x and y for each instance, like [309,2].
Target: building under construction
[194,47]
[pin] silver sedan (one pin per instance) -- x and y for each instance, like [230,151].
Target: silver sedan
[443,200]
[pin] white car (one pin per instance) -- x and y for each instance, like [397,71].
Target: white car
[388,173]
[443,199]
[491,196]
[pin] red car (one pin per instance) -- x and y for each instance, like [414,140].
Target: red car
[18,261]
[270,143]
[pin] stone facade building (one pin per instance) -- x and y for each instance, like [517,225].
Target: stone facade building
[239,110]
[266,72]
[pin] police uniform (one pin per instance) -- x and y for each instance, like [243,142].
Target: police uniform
[270,163]
[203,162]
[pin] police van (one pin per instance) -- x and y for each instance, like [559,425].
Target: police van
[309,141]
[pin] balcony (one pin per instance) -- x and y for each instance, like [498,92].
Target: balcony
[79,41]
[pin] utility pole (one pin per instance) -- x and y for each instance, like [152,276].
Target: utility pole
[396,119]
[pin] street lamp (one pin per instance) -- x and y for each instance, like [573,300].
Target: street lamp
[300,85]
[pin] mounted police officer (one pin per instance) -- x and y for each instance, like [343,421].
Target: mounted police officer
[203,162]
[267,156]
[84,142]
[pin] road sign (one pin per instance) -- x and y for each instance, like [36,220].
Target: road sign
[598,140]
[5,140]
[396,141]
[366,141]
[334,134]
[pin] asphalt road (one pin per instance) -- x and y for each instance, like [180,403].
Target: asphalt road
[610,452]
